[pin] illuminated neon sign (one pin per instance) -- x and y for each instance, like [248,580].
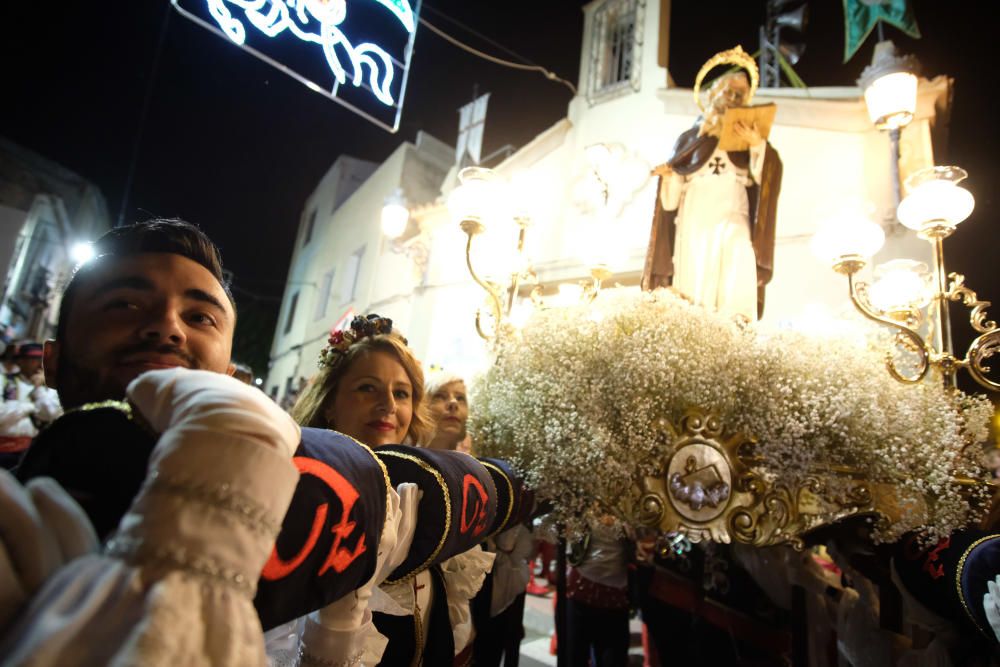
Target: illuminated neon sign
[366,53]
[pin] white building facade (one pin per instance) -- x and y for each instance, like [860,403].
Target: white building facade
[340,256]
[831,152]
[45,209]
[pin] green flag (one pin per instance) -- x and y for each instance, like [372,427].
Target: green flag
[860,16]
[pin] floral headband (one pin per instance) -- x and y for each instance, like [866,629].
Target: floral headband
[342,339]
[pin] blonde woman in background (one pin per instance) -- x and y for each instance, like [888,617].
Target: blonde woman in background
[448,405]
[498,610]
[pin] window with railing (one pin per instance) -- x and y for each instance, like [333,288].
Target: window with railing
[616,47]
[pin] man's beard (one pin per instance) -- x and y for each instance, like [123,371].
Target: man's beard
[78,386]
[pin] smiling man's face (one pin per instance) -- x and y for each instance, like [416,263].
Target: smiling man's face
[137,313]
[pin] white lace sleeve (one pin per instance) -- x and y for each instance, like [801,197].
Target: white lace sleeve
[343,633]
[463,577]
[327,647]
[176,584]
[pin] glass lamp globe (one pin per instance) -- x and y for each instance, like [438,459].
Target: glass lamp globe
[568,295]
[900,285]
[891,100]
[847,242]
[936,203]
[890,86]
[394,216]
[527,192]
[478,200]
[520,313]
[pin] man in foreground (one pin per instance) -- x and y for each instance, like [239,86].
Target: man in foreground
[176,581]
[153,297]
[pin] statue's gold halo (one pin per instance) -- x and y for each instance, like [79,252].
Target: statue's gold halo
[735,56]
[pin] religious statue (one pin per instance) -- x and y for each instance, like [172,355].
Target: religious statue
[712,236]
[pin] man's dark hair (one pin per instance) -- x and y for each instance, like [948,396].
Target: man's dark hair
[169,235]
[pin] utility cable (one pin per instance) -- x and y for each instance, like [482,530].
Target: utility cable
[477,34]
[493,59]
[144,111]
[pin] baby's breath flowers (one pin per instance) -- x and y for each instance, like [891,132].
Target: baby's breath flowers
[573,401]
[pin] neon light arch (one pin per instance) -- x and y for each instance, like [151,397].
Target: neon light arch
[273,17]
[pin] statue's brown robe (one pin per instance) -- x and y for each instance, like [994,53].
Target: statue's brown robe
[690,153]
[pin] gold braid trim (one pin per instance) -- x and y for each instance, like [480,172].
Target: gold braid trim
[510,490]
[958,581]
[447,513]
[385,473]
[124,407]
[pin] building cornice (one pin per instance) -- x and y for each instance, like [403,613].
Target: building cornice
[838,109]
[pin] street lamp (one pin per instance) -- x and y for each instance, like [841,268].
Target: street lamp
[395,215]
[82,252]
[485,205]
[890,87]
[481,203]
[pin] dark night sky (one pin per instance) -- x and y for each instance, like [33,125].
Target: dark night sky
[235,146]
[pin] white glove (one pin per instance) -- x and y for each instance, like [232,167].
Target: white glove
[342,632]
[397,535]
[205,402]
[41,529]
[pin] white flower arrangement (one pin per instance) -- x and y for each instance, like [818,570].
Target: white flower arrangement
[574,398]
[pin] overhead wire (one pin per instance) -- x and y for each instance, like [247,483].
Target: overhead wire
[493,59]
[143,113]
[476,33]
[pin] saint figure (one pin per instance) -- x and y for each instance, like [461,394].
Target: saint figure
[712,236]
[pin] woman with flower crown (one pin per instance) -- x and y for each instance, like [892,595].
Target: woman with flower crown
[371,387]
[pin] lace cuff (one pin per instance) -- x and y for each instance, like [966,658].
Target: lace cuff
[464,574]
[394,599]
[463,577]
[100,611]
[510,569]
[324,647]
[212,507]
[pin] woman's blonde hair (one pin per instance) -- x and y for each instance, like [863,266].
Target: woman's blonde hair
[308,409]
[438,379]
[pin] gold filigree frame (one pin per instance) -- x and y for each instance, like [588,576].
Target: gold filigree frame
[735,56]
[707,488]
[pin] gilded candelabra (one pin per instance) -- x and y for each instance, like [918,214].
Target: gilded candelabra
[480,201]
[934,207]
[500,297]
